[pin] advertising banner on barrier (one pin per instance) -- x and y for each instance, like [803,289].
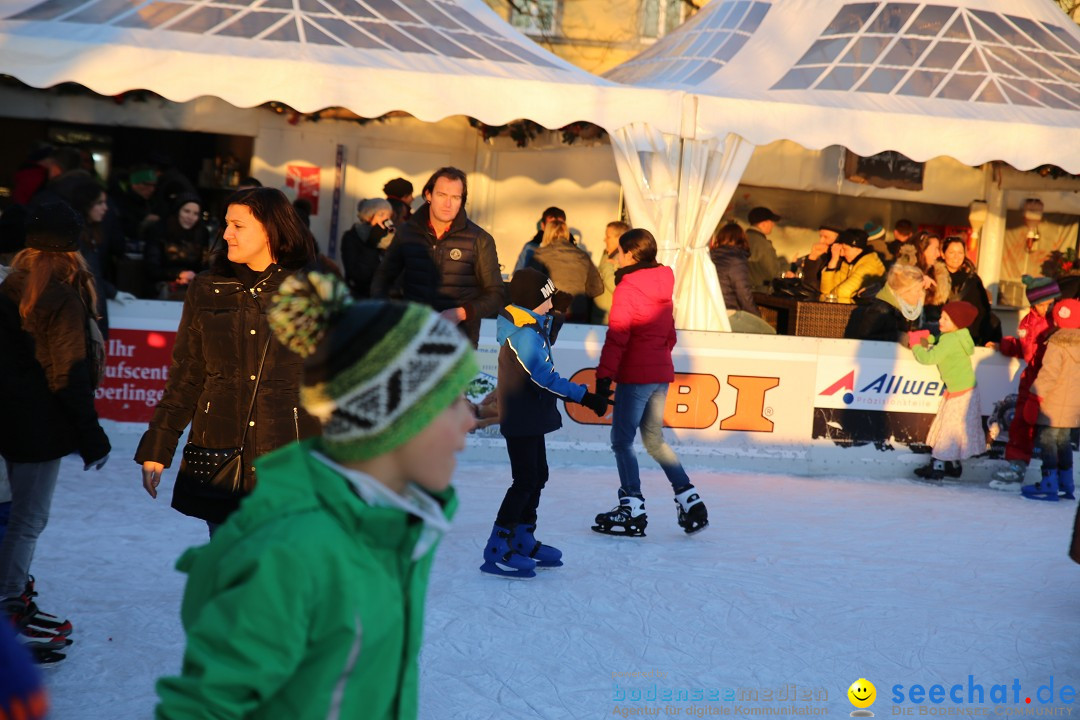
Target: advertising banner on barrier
[732,392]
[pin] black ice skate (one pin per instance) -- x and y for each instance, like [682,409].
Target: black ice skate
[693,517]
[628,518]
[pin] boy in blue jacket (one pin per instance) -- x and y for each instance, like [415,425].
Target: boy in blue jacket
[527,390]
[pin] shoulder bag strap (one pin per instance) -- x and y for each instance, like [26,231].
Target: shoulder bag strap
[254,393]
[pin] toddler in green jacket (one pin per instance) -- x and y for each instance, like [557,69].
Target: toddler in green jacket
[309,601]
[957,431]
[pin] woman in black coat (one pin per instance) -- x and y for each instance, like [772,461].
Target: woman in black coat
[966,285]
[46,382]
[176,249]
[896,310]
[363,244]
[730,253]
[222,336]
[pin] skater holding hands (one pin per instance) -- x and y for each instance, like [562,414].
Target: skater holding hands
[637,355]
[528,388]
[1056,411]
[956,432]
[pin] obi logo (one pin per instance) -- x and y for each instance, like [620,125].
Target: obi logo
[884,384]
[693,402]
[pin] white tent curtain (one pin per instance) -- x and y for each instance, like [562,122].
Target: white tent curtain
[679,188]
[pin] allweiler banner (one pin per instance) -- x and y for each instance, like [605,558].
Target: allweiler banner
[730,390]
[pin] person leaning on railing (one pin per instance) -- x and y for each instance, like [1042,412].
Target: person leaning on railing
[853,267]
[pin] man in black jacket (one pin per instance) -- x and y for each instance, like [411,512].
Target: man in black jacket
[442,259]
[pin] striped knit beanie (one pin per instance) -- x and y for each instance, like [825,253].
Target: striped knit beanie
[376,372]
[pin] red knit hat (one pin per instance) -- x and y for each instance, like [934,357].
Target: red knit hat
[960,312]
[1067,313]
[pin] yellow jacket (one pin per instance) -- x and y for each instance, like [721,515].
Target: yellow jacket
[849,278]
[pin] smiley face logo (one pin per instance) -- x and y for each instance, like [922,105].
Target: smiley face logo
[862,694]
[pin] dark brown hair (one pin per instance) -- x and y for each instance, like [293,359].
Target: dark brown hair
[450,173]
[291,243]
[641,243]
[730,234]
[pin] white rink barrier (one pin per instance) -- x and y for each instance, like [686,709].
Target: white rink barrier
[749,402]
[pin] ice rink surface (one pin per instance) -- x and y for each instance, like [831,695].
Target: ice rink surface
[799,587]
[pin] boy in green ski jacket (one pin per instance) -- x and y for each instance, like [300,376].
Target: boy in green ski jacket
[309,601]
[957,431]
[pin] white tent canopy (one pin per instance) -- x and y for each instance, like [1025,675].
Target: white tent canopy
[429,58]
[977,80]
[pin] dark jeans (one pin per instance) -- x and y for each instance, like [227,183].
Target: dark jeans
[1055,445]
[529,468]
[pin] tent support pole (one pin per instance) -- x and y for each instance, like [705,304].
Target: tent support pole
[992,239]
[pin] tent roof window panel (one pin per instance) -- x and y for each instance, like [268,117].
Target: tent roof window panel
[464,17]
[738,12]
[1003,28]
[679,49]
[1054,96]
[958,30]
[882,80]
[1068,92]
[973,62]
[944,55]
[391,11]
[731,47]
[961,87]
[1038,33]
[314,34]
[707,70]
[349,34]
[697,47]
[48,10]
[1063,35]
[481,46]
[288,5]
[392,37]
[921,83]
[1021,63]
[842,77]
[992,94]
[983,33]
[1016,97]
[716,41]
[824,51]
[203,20]
[799,78]
[1046,62]
[1036,91]
[248,25]
[1064,70]
[441,44]
[431,14]
[158,13]
[286,32]
[521,52]
[103,11]
[866,49]
[850,19]
[348,8]
[905,52]
[892,18]
[931,20]
[753,18]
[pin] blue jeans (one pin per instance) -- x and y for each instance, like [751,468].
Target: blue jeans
[32,486]
[642,406]
[1055,447]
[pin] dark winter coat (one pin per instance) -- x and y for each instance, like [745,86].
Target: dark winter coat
[880,319]
[460,269]
[360,258]
[223,330]
[641,328]
[528,384]
[45,380]
[170,249]
[573,272]
[968,286]
[733,272]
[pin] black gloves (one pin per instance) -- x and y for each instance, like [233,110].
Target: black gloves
[603,387]
[597,403]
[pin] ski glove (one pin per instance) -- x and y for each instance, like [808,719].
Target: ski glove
[97,464]
[597,403]
[603,387]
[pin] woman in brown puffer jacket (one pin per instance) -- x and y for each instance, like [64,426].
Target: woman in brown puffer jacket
[223,334]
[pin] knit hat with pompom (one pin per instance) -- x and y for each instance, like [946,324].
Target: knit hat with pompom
[376,372]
